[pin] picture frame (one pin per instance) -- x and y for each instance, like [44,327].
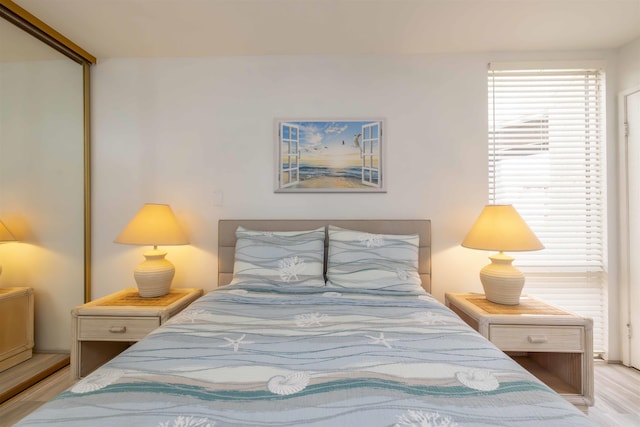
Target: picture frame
[329,156]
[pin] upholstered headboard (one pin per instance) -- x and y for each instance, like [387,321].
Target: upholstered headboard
[227,238]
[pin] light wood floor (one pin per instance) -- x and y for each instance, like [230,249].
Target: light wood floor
[616,393]
[617,396]
[29,400]
[23,375]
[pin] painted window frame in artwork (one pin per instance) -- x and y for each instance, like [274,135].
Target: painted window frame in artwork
[329,156]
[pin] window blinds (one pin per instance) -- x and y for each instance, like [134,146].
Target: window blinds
[546,151]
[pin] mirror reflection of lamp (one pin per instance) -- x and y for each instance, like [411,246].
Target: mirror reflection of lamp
[153,225]
[5,237]
[500,228]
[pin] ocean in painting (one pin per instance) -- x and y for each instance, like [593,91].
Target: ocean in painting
[308,172]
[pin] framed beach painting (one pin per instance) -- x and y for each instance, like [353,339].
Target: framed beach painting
[329,156]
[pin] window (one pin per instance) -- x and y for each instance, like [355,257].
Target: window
[546,157]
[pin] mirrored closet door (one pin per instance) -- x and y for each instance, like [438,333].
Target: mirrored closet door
[44,173]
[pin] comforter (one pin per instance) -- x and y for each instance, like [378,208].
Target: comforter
[275,357]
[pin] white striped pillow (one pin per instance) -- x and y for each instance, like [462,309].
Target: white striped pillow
[380,262]
[279,257]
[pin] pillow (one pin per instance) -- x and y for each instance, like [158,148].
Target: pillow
[279,257]
[380,262]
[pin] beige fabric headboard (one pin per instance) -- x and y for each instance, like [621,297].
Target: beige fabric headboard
[227,238]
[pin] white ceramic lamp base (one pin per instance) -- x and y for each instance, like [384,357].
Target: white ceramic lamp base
[154,275]
[502,282]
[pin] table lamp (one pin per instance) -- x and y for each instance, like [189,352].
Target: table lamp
[500,228]
[154,224]
[5,236]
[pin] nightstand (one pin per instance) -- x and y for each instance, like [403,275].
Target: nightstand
[16,326]
[102,329]
[551,343]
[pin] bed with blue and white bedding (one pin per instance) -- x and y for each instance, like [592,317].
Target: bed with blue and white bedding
[292,351]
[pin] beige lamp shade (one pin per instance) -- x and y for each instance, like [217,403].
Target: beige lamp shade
[501,228]
[155,225]
[5,234]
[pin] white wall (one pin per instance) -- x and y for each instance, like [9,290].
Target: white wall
[629,66]
[41,190]
[176,130]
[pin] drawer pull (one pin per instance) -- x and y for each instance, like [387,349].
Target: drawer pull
[537,339]
[118,329]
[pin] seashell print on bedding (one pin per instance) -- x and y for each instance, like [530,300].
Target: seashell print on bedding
[288,384]
[332,294]
[478,379]
[98,380]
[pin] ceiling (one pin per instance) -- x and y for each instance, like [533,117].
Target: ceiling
[179,28]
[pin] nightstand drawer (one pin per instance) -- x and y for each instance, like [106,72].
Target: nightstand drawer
[537,338]
[114,328]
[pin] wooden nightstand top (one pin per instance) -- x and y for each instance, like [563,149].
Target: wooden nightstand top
[529,311]
[528,305]
[13,292]
[128,302]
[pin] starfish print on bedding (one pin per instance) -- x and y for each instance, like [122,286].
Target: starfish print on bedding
[236,343]
[187,316]
[381,340]
[430,318]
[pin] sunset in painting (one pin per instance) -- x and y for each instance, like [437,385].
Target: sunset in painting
[330,155]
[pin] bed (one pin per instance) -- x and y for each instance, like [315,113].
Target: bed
[276,346]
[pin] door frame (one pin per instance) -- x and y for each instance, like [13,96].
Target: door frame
[624,272]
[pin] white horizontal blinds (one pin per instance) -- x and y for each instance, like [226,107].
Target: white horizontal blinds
[546,158]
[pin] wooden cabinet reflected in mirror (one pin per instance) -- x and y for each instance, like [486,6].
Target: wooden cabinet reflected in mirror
[44,171]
